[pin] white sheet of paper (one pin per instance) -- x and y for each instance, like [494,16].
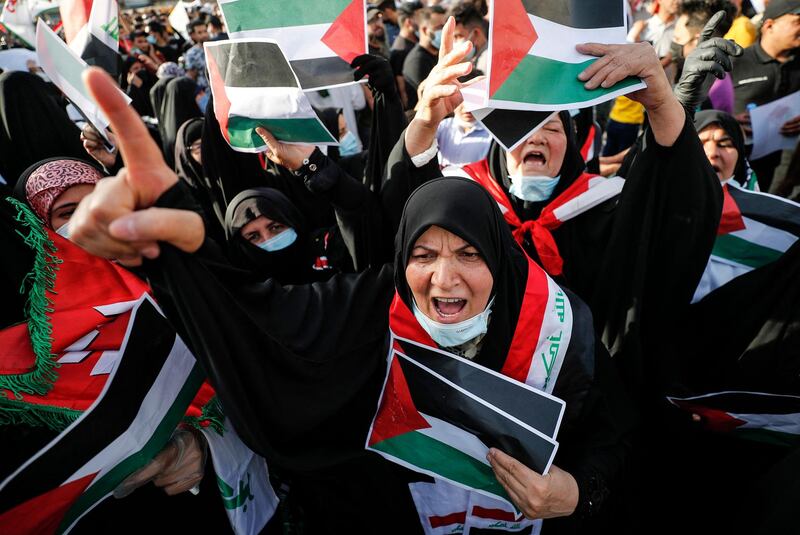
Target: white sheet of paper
[767,120]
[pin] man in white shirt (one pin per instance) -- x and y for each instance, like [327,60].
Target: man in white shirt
[462,139]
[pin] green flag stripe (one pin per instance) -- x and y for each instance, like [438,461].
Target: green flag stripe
[243,15]
[744,252]
[768,436]
[434,456]
[561,84]
[116,475]
[307,130]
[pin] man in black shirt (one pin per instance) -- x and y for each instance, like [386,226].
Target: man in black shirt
[423,57]
[403,44]
[166,46]
[767,71]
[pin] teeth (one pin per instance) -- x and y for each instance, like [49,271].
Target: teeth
[449,299]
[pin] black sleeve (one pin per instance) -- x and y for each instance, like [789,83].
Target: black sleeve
[663,230]
[388,124]
[402,178]
[358,217]
[297,368]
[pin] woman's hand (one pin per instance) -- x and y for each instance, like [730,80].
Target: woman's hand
[537,496]
[115,220]
[94,145]
[178,467]
[288,155]
[617,62]
[441,93]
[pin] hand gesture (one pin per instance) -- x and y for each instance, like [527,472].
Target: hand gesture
[288,155]
[537,496]
[712,56]
[94,144]
[115,220]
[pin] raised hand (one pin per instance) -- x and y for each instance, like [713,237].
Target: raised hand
[94,145]
[712,56]
[441,93]
[115,220]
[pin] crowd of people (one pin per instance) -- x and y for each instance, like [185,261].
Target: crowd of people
[290,272]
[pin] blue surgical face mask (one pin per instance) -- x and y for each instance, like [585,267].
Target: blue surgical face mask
[454,334]
[281,241]
[63,230]
[348,145]
[436,42]
[533,188]
[151,39]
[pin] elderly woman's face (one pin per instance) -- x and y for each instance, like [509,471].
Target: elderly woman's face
[261,229]
[541,154]
[720,150]
[65,204]
[449,279]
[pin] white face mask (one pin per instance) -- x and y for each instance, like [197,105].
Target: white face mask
[454,334]
[533,188]
[63,230]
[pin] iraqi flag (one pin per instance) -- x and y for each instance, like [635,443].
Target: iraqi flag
[533,61]
[761,416]
[319,37]
[64,68]
[439,414]
[756,229]
[253,85]
[97,43]
[143,401]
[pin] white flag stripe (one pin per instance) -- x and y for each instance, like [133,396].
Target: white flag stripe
[449,434]
[605,189]
[718,272]
[269,102]
[555,332]
[104,12]
[781,423]
[765,235]
[296,42]
[557,42]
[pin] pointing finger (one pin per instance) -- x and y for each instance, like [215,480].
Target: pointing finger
[711,26]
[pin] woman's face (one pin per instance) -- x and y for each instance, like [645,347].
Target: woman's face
[541,154]
[261,229]
[65,204]
[449,279]
[720,150]
[195,151]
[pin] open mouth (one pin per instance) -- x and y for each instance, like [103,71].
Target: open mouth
[448,307]
[535,158]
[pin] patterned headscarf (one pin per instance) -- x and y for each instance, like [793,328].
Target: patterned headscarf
[47,180]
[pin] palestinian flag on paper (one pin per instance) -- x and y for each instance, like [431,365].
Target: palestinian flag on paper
[511,127]
[761,416]
[142,403]
[755,230]
[97,43]
[533,61]
[17,18]
[64,68]
[439,414]
[253,85]
[319,37]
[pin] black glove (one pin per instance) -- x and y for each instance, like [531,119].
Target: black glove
[381,77]
[712,56]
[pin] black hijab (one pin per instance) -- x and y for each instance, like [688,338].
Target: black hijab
[34,125]
[189,170]
[731,126]
[471,213]
[157,99]
[292,265]
[140,96]
[571,169]
[177,107]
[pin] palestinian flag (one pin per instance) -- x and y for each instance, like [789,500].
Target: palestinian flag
[756,229]
[64,68]
[319,37]
[439,414]
[97,43]
[145,398]
[253,85]
[511,127]
[533,61]
[17,18]
[759,416]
